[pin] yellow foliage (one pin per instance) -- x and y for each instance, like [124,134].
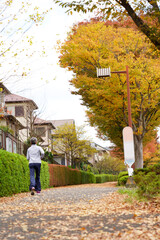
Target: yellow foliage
[94,44]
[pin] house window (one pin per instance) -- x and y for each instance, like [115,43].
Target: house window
[8,144]
[14,147]
[63,161]
[19,111]
[41,132]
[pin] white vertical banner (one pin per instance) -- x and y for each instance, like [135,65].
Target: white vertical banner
[128,145]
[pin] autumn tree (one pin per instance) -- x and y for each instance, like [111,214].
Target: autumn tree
[152,152]
[70,140]
[118,9]
[98,44]
[109,165]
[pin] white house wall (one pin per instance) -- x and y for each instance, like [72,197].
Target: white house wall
[11,110]
[24,120]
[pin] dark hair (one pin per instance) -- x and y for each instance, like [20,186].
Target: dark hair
[33,140]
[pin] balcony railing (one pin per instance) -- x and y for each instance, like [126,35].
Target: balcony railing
[10,143]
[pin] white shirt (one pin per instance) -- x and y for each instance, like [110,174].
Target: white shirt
[34,154]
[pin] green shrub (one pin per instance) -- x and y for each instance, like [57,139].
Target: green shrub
[141,170]
[98,178]
[86,177]
[148,185]
[92,178]
[147,180]
[14,174]
[155,168]
[113,178]
[74,177]
[121,174]
[101,178]
[44,176]
[124,176]
[122,181]
[138,177]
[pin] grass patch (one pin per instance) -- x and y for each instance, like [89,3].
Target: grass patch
[131,194]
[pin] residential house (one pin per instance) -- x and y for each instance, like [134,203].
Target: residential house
[58,123]
[9,126]
[98,155]
[46,129]
[22,109]
[43,129]
[17,123]
[9,134]
[95,157]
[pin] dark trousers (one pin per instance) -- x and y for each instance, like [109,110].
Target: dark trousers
[35,181]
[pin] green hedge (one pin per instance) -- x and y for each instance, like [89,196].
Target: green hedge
[74,176]
[87,177]
[44,176]
[122,178]
[62,175]
[14,174]
[101,178]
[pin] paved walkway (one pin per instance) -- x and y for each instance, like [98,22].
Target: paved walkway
[75,212]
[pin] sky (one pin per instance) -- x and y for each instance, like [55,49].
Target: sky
[46,83]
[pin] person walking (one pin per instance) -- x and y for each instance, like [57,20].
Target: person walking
[34,155]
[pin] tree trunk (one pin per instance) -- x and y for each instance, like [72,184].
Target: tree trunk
[68,159]
[138,146]
[148,31]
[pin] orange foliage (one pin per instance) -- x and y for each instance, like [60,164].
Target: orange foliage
[150,149]
[61,175]
[117,153]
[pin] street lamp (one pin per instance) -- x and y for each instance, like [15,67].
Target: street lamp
[106,72]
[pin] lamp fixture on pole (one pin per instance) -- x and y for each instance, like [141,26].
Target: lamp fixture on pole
[106,72]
